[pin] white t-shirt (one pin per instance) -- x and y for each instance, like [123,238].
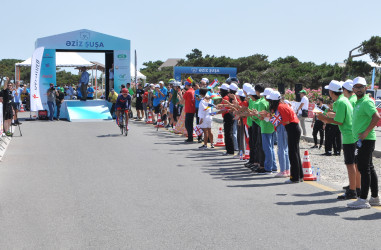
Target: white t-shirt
[204,113]
[305,106]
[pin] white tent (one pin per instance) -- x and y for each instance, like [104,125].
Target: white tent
[63,59]
[139,75]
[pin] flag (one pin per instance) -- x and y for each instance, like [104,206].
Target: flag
[189,79]
[276,119]
[317,110]
[35,100]
[214,95]
[209,106]
[214,83]
[198,130]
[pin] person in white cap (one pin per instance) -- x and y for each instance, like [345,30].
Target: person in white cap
[205,117]
[348,92]
[365,118]
[233,88]
[241,124]
[228,120]
[303,110]
[290,121]
[267,133]
[342,116]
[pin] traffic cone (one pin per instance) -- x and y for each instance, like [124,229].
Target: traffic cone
[194,134]
[149,121]
[159,123]
[220,139]
[307,171]
[247,152]
[22,108]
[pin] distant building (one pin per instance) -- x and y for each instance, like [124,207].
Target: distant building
[171,62]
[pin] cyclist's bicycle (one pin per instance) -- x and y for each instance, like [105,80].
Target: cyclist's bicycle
[122,121]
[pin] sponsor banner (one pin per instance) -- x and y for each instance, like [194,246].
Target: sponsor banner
[83,40]
[122,73]
[35,96]
[48,74]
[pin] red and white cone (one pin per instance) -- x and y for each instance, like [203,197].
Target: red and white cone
[22,108]
[149,121]
[307,171]
[220,139]
[159,122]
[247,152]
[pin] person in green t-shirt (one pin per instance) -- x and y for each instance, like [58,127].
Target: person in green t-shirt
[267,133]
[348,92]
[342,116]
[365,118]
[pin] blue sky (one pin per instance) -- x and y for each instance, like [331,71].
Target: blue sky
[317,31]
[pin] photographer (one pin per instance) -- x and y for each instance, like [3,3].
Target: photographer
[51,94]
[6,96]
[60,96]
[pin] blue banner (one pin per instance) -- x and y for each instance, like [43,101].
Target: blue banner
[232,72]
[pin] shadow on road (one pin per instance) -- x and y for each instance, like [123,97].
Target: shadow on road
[375,216]
[109,135]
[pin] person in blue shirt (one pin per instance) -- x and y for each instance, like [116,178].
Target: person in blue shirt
[17,101]
[90,92]
[84,81]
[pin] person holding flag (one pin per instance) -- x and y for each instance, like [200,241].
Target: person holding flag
[204,113]
[291,123]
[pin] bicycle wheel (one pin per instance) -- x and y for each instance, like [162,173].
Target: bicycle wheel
[122,124]
[125,129]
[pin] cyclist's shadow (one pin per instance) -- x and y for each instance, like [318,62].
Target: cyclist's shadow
[109,135]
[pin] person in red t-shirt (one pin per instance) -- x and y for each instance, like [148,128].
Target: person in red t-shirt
[189,109]
[145,100]
[291,123]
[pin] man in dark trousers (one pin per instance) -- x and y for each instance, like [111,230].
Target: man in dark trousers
[228,120]
[84,81]
[317,125]
[190,109]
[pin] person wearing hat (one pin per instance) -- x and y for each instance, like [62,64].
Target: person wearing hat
[364,119]
[189,109]
[51,94]
[60,96]
[90,92]
[83,82]
[227,118]
[342,116]
[197,97]
[145,101]
[173,106]
[348,92]
[233,88]
[156,101]
[290,122]
[303,110]
[317,125]
[242,122]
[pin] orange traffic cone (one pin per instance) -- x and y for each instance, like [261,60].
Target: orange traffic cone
[307,171]
[159,123]
[22,108]
[247,152]
[220,139]
[149,121]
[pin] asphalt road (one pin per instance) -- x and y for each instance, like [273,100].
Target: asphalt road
[83,186]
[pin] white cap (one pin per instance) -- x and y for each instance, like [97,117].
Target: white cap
[240,93]
[205,80]
[334,86]
[348,85]
[246,87]
[287,101]
[157,86]
[161,82]
[146,84]
[224,86]
[152,85]
[359,80]
[233,87]
[267,92]
[274,95]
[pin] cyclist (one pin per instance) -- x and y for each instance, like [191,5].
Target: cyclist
[123,102]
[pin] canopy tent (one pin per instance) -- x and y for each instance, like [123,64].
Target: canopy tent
[139,75]
[63,59]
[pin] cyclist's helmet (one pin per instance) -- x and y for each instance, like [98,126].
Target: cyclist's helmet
[124,91]
[232,79]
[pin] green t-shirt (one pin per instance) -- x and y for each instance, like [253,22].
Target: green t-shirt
[130,91]
[362,115]
[266,127]
[343,109]
[250,118]
[353,100]
[174,98]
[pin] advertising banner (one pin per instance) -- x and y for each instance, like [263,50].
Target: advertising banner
[122,73]
[48,74]
[35,96]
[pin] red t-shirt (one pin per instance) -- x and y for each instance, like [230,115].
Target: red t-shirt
[190,105]
[145,97]
[288,115]
[227,109]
